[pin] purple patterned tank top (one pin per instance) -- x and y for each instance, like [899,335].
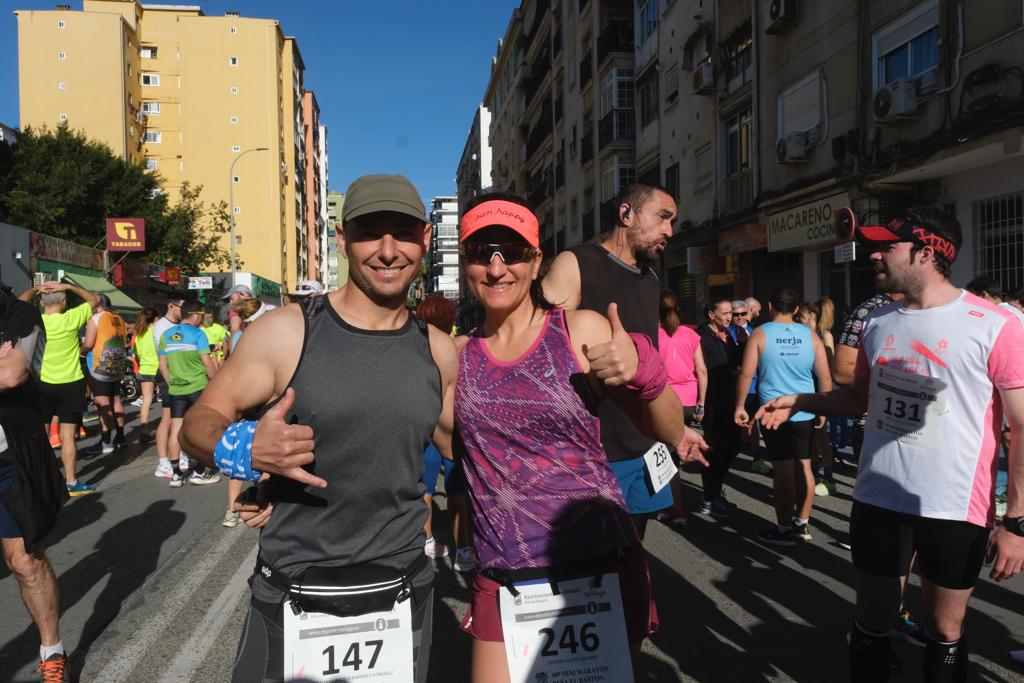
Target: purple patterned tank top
[542,490]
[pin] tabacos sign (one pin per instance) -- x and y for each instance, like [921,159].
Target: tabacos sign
[126,234]
[808,225]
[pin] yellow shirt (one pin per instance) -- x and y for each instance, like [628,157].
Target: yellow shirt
[61,364]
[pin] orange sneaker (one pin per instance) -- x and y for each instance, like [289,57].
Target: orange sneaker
[54,669]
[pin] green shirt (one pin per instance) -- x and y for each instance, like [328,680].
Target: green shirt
[61,363]
[184,347]
[216,334]
[145,353]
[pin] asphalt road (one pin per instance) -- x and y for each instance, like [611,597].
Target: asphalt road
[153,588]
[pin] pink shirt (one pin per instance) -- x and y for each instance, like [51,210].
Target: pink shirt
[677,354]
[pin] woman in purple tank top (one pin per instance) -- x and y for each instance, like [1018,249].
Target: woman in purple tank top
[545,501]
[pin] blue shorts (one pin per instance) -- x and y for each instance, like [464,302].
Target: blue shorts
[636,487]
[454,476]
[8,527]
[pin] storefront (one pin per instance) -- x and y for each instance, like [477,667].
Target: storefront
[57,259]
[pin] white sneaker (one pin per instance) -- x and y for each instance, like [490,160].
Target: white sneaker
[164,469]
[230,519]
[205,476]
[465,560]
[176,481]
[434,549]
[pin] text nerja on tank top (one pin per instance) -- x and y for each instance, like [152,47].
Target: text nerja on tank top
[543,492]
[787,364]
[606,279]
[373,399]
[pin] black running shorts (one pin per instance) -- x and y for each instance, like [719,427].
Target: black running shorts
[66,401]
[791,441]
[180,404]
[949,552]
[100,387]
[260,657]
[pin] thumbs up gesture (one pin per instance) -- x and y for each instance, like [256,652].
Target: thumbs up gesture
[614,361]
[281,448]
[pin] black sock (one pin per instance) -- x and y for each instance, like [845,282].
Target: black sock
[119,434]
[870,656]
[105,437]
[176,467]
[946,662]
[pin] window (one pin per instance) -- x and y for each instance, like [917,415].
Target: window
[705,170]
[148,52]
[672,180]
[236,148]
[151,108]
[63,85]
[233,61]
[671,85]
[647,19]
[800,105]
[234,179]
[234,29]
[62,55]
[999,239]
[617,90]
[62,117]
[150,79]
[238,209]
[737,136]
[234,90]
[151,164]
[697,51]
[153,137]
[60,23]
[234,119]
[616,173]
[647,96]
[907,47]
[738,67]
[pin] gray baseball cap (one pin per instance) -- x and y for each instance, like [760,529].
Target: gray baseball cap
[238,289]
[381,192]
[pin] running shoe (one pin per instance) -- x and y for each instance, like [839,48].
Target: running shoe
[760,466]
[776,537]
[230,519]
[911,631]
[824,488]
[80,489]
[717,508]
[54,669]
[207,475]
[106,447]
[176,480]
[672,518]
[1017,656]
[146,438]
[119,441]
[802,532]
[434,549]
[164,469]
[465,560]
[137,403]
[725,503]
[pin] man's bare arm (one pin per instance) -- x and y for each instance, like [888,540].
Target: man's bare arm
[210,364]
[1004,548]
[562,285]
[844,364]
[28,295]
[90,336]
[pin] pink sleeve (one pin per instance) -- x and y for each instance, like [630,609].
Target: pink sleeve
[863,369]
[1006,362]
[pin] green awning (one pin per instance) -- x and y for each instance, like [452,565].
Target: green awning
[121,301]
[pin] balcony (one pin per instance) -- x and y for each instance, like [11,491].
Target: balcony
[586,68]
[739,191]
[540,132]
[617,37]
[538,71]
[537,193]
[618,125]
[587,147]
[588,225]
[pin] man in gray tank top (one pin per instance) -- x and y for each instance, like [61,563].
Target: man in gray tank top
[350,390]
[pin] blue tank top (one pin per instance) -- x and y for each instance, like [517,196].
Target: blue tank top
[787,364]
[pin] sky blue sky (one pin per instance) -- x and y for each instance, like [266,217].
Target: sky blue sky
[397,82]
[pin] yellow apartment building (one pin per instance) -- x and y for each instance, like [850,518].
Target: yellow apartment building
[214,101]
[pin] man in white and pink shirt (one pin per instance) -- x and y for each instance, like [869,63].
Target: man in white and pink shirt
[935,373]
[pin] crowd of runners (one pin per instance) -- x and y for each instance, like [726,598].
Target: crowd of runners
[559,414]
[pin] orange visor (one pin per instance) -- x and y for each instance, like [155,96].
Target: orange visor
[498,212]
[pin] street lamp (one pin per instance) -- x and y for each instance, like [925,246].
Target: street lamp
[231,201]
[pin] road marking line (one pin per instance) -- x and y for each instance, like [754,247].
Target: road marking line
[124,661]
[191,656]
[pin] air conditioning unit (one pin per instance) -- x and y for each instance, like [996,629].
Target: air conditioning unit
[897,100]
[928,82]
[781,15]
[792,148]
[704,78]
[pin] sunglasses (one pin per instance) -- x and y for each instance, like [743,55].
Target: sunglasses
[482,254]
[739,314]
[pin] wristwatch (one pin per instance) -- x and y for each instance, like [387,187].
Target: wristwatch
[1015,525]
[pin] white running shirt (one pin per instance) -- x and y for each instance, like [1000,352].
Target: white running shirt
[931,439]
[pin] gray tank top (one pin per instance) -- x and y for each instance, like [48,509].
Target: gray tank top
[373,399]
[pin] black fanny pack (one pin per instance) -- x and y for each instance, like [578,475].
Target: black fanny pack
[345,591]
[596,567]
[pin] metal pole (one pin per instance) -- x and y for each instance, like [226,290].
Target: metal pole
[231,202]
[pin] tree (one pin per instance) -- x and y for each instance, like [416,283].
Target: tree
[189,234]
[61,183]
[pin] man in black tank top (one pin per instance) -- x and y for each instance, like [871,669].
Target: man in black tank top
[619,270]
[350,389]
